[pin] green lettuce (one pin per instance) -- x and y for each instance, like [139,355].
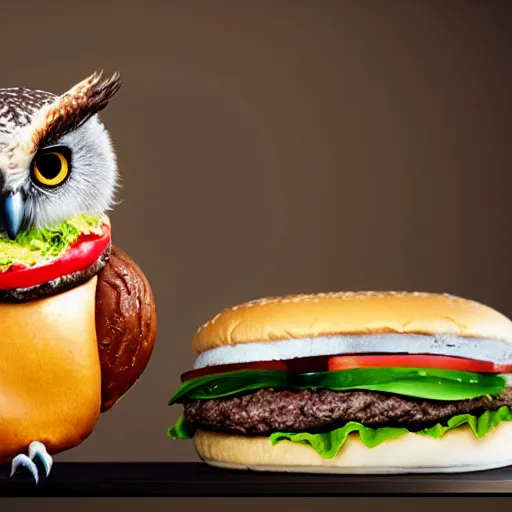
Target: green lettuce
[328,444]
[428,383]
[43,244]
[182,429]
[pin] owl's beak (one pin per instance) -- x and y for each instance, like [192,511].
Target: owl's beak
[12,213]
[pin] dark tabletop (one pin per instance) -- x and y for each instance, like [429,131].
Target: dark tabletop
[199,480]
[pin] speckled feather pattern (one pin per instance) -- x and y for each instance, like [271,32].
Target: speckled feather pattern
[18,106]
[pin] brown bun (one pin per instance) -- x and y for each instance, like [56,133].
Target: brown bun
[351,313]
[126,324]
[50,379]
[457,451]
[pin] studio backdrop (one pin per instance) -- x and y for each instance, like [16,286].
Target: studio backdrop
[282,147]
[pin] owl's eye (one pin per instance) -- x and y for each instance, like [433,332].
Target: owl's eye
[51,167]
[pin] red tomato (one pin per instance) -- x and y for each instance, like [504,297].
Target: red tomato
[80,255]
[278,366]
[348,362]
[416,361]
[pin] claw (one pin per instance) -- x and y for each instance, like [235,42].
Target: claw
[24,461]
[35,450]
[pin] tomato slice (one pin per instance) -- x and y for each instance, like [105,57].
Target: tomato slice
[85,251]
[416,361]
[279,366]
[349,362]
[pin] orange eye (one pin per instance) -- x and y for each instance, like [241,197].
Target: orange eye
[50,168]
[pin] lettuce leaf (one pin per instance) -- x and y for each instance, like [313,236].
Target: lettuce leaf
[429,383]
[330,443]
[182,429]
[43,244]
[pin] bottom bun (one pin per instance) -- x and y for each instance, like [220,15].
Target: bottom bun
[456,452]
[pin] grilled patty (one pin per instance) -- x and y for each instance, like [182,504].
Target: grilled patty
[266,411]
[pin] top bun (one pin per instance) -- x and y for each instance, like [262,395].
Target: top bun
[351,313]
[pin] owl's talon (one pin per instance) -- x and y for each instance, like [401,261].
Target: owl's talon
[35,450]
[26,462]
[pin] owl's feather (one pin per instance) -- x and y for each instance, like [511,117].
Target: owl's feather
[72,109]
[31,120]
[18,106]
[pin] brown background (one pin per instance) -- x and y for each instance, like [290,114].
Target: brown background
[281,147]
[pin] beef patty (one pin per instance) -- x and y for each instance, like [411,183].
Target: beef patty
[267,410]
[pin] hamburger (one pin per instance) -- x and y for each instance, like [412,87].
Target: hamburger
[77,329]
[351,382]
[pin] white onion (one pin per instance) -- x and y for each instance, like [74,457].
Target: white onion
[493,350]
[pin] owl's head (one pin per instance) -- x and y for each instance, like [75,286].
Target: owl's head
[56,157]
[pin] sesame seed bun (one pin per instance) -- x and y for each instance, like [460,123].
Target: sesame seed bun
[354,322]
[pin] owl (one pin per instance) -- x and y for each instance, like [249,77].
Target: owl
[77,315]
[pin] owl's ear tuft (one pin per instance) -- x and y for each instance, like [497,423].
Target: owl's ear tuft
[97,93]
[73,108]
